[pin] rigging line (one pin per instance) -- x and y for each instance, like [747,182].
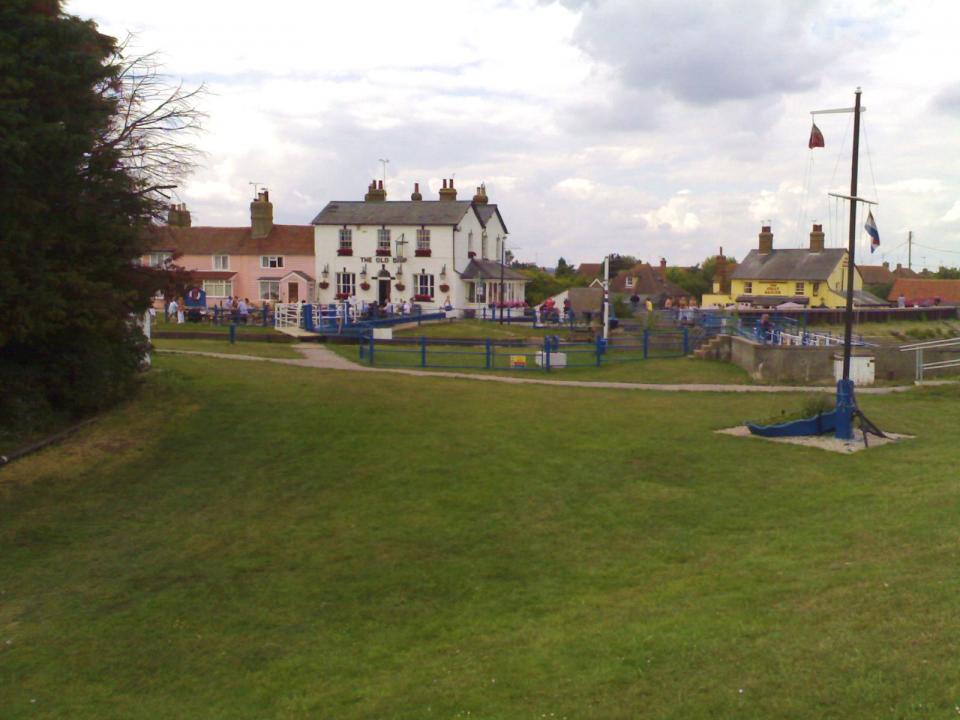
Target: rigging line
[866,142]
[804,198]
[843,144]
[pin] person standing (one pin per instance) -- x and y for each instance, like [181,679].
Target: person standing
[172,309]
[901,301]
[180,319]
[243,308]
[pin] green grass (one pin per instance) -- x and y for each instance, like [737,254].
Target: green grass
[298,543]
[260,349]
[898,331]
[628,366]
[159,325]
[476,329]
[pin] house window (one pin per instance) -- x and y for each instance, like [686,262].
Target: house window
[269,289]
[423,239]
[816,288]
[748,287]
[798,289]
[271,261]
[383,241]
[159,259]
[483,245]
[218,288]
[346,239]
[629,281]
[221,262]
[346,283]
[423,286]
[481,295]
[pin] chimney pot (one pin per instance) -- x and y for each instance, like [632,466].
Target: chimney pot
[444,183]
[766,240]
[816,238]
[380,184]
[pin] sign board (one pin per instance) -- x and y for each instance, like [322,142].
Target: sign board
[518,361]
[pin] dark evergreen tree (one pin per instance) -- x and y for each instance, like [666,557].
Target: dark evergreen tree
[77,189]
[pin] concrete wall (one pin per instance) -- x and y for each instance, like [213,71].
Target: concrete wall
[790,364]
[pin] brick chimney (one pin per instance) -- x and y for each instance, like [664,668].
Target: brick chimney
[178,216]
[261,215]
[415,195]
[720,283]
[766,240]
[886,264]
[663,267]
[816,239]
[481,197]
[448,193]
[375,193]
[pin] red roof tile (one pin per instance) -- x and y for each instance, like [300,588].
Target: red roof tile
[282,239]
[916,290]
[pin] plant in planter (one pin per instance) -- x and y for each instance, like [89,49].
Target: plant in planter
[423,298]
[342,296]
[345,251]
[422,252]
[364,285]
[400,287]
[383,252]
[323,285]
[444,288]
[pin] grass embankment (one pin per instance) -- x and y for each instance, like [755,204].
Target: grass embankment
[898,331]
[259,349]
[305,543]
[625,366]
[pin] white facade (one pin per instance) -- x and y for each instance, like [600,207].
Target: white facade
[425,260]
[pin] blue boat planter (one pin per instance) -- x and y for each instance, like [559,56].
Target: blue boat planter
[819,425]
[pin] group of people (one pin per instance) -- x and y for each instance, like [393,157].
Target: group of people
[239,310]
[549,312]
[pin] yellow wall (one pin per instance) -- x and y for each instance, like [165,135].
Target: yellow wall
[830,293]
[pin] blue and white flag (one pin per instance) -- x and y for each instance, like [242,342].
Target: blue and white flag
[871,227]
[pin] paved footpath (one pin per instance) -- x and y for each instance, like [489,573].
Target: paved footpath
[317,356]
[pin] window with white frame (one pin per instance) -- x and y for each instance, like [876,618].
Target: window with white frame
[748,287]
[269,289]
[221,262]
[271,261]
[159,259]
[798,288]
[423,238]
[481,293]
[346,239]
[218,288]
[628,282]
[383,240]
[423,284]
[346,283]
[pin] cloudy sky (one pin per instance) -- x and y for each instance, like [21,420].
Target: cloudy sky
[649,128]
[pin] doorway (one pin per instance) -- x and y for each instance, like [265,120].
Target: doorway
[383,290]
[293,292]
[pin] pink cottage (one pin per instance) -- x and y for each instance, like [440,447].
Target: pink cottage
[263,262]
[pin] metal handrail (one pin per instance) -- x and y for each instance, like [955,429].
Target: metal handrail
[919,349]
[929,344]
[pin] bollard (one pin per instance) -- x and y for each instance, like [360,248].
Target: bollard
[546,353]
[488,348]
[423,351]
[233,333]
[599,349]
[686,341]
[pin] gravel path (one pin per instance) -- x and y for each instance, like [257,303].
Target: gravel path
[317,356]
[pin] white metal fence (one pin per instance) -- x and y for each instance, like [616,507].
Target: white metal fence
[920,347]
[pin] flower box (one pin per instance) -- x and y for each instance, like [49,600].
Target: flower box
[342,296]
[383,253]
[423,298]
[422,252]
[345,251]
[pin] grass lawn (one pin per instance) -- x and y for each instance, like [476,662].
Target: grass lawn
[318,544]
[477,329]
[628,367]
[260,349]
[898,331]
[159,325]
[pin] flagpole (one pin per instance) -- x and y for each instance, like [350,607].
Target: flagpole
[851,246]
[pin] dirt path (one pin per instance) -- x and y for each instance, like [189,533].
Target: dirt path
[317,356]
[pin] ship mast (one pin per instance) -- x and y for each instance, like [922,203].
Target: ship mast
[851,247]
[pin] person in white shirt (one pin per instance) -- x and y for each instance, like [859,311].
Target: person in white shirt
[172,309]
[406,307]
[390,307]
[228,304]
[244,310]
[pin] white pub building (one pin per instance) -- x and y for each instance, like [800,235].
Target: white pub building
[430,252]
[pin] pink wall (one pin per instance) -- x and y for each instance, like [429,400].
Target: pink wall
[248,272]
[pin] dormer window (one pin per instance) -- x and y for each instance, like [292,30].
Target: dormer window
[629,281]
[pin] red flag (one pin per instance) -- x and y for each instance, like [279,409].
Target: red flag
[816,137]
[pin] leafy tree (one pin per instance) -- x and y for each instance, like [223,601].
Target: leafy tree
[87,147]
[621,262]
[564,269]
[541,285]
[946,273]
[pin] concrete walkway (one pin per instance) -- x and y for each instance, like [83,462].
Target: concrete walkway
[317,356]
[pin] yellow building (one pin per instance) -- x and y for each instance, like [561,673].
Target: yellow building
[813,277]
